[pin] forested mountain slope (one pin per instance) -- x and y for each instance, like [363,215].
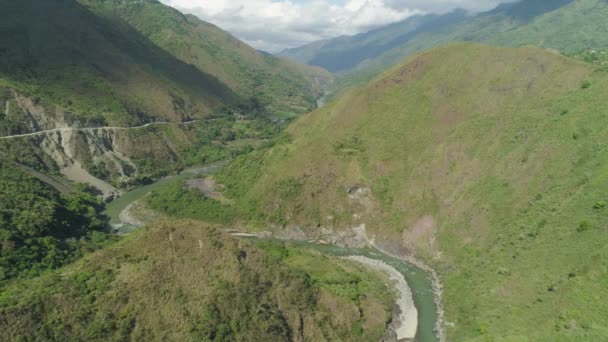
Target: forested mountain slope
[488,162]
[62,52]
[186,281]
[280,86]
[42,229]
[94,63]
[126,62]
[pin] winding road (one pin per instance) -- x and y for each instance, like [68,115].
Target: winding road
[103,128]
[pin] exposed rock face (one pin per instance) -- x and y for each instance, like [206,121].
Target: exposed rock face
[76,154]
[31,114]
[51,139]
[95,147]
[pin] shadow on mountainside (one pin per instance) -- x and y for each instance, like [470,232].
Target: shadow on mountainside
[344,57]
[526,10]
[62,48]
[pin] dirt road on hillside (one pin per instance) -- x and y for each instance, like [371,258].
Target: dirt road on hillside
[92,129]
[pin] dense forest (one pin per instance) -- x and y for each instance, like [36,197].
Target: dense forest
[42,229]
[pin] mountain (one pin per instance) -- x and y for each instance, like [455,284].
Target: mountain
[187,281]
[62,52]
[66,66]
[489,163]
[347,52]
[566,25]
[120,93]
[282,86]
[130,62]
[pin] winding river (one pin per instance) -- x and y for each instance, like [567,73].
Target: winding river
[418,285]
[117,206]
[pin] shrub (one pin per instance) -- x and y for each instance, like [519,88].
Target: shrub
[583,226]
[178,201]
[585,85]
[599,205]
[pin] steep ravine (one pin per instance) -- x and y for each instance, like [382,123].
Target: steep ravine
[68,151]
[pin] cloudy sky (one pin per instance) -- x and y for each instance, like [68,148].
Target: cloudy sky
[273,25]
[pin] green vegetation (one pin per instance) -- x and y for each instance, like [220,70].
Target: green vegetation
[593,56]
[41,229]
[489,162]
[154,151]
[161,150]
[279,86]
[185,281]
[177,200]
[97,67]
[356,286]
[124,63]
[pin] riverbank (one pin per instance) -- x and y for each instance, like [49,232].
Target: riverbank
[421,280]
[121,205]
[357,237]
[437,288]
[406,324]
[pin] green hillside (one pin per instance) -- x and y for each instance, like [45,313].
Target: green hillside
[68,63]
[126,63]
[566,25]
[60,51]
[490,163]
[281,86]
[183,281]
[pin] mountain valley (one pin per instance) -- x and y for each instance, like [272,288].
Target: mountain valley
[440,178]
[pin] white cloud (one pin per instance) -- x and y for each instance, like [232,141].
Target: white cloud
[273,25]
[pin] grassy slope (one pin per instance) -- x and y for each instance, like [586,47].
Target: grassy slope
[125,62]
[503,149]
[282,86]
[185,281]
[99,67]
[568,27]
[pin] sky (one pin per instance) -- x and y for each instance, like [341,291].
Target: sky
[273,25]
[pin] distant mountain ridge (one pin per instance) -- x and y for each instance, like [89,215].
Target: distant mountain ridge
[566,25]
[347,52]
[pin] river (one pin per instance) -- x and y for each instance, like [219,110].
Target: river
[114,208]
[419,281]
